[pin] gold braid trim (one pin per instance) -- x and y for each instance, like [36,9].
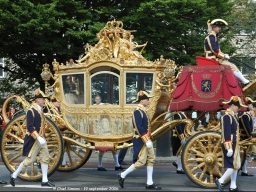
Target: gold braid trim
[212,69]
[219,54]
[229,113]
[181,136]
[41,113]
[228,145]
[145,138]
[206,95]
[210,45]
[35,135]
[244,130]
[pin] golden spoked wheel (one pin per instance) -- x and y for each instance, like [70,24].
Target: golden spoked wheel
[75,155]
[12,144]
[202,159]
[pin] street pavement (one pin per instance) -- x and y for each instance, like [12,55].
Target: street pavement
[87,178]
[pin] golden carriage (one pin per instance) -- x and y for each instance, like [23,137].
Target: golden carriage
[115,71]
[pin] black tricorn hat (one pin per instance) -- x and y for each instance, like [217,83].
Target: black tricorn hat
[53,99]
[39,94]
[141,96]
[235,100]
[248,101]
[218,22]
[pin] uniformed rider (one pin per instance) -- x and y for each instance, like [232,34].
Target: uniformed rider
[212,48]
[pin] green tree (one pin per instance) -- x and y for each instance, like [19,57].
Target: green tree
[176,29]
[21,87]
[242,24]
[36,32]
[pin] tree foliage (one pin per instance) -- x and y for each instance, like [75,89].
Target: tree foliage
[242,24]
[176,29]
[20,87]
[34,32]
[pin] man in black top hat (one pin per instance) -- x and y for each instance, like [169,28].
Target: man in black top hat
[212,48]
[246,128]
[143,151]
[34,141]
[229,139]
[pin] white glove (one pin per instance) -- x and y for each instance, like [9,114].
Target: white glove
[149,144]
[183,141]
[41,140]
[226,56]
[230,152]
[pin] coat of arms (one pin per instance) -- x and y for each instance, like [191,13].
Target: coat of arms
[206,83]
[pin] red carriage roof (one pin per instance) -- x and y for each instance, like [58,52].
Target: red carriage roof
[203,88]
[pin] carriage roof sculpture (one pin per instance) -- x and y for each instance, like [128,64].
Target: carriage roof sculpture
[116,71]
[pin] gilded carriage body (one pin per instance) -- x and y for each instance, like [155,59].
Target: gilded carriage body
[112,69]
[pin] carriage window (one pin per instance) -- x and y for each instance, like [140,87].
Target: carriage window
[136,82]
[73,88]
[105,88]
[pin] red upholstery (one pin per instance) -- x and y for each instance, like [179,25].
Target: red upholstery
[203,61]
[190,95]
[104,148]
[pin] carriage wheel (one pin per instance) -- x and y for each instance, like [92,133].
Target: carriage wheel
[75,155]
[12,144]
[202,159]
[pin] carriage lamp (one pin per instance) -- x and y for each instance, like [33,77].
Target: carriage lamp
[46,76]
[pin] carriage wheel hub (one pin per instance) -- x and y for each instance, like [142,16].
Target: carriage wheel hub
[209,159]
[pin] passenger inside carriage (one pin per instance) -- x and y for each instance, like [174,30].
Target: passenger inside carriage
[212,48]
[73,88]
[105,83]
[97,100]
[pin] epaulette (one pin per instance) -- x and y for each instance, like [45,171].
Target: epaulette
[247,114]
[211,33]
[228,111]
[140,108]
